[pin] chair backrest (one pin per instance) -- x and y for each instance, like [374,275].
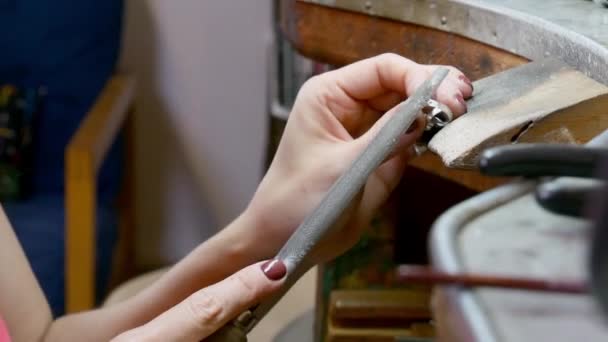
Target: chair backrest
[70,48]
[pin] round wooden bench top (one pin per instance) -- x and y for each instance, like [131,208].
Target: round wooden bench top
[574,31]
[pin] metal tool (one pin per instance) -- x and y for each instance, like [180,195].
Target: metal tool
[603,3]
[321,221]
[568,197]
[586,194]
[413,274]
[539,160]
[598,256]
[560,196]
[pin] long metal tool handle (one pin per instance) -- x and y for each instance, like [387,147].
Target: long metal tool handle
[321,221]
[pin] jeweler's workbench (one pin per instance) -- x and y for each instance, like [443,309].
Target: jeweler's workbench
[481,38]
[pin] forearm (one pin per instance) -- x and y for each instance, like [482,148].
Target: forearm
[22,303]
[224,254]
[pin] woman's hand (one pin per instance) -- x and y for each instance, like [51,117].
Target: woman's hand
[335,116]
[207,310]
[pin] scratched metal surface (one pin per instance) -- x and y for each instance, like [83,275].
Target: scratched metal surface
[485,235]
[574,31]
[536,244]
[446,255]
[504,231]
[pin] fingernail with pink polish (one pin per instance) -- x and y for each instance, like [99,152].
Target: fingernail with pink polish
[274,269]
[465,79]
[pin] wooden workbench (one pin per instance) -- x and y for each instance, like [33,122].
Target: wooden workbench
[480,38]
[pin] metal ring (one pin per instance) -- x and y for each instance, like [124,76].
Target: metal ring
[437,114]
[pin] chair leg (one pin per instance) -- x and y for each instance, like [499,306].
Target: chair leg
[80,231]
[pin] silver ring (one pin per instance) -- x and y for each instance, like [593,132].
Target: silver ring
[437,114]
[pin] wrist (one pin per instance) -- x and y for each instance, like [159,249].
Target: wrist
[263,233]
[244,239]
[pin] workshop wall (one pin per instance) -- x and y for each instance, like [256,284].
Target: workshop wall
[201,116]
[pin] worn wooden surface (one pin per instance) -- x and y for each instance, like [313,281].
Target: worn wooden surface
[379,315]
[542,101]
[340,37]
[84,155]
[574,31]
[472,179]
[366,305]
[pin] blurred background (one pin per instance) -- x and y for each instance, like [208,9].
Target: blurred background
[201,116]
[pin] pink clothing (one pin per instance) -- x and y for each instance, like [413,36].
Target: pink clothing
[4,336]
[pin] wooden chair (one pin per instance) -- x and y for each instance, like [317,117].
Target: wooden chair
[110,115]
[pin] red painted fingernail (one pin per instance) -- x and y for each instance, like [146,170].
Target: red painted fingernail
[274,269]
[466,80]
[413,127]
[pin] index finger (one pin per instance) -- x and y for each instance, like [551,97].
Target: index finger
[374,76]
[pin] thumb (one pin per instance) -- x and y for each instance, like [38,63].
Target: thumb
[207,310]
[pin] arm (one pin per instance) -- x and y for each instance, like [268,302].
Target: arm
[334,117]
[21,298]
[214,260]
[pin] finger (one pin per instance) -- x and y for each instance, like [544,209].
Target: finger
[368,113]
[207,310]
[409,137]
[361,123]
[454,77]
[466,86]
[386,101]
[407,141]
[372,77]
[461,81]
[449,94]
